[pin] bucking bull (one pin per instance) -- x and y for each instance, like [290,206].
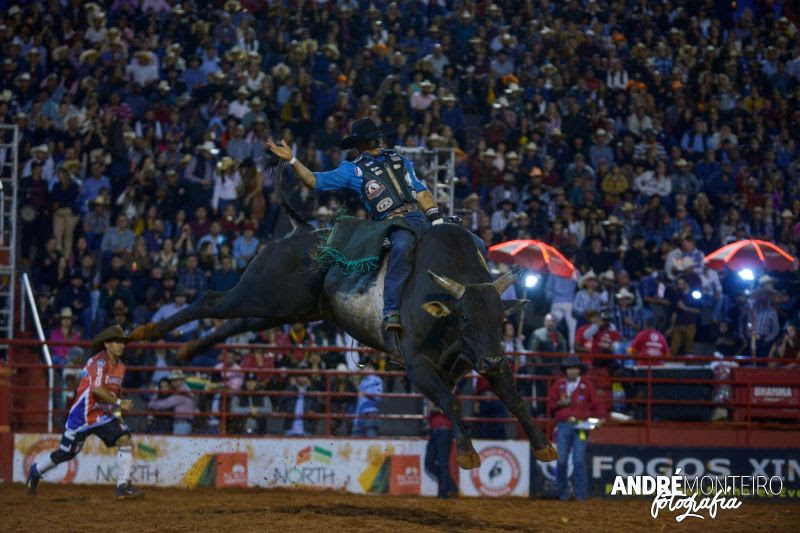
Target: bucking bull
[451,310]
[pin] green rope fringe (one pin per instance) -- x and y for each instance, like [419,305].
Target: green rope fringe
[326,256]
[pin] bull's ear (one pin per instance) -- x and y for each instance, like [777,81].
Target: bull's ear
[512,306]
[436,308]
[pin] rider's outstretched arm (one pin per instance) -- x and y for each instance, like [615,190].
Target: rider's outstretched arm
[301,171]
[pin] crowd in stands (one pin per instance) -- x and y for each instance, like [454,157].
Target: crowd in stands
[634,136]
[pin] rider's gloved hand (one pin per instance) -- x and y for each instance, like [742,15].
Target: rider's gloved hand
[434,216]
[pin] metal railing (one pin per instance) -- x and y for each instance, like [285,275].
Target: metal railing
[215,392]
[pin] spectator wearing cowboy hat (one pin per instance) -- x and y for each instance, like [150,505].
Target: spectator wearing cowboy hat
[600,150]
[625,317]
[502,218]
[180,401]
[573,399]
[252,406]
[182,333]
[322,218]
[97,221]
[588,298]
[228,185]
[65,331]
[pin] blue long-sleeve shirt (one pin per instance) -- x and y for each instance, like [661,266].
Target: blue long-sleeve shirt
[90,188]
[348,176]
[367,389]
[585,302]
[243,251]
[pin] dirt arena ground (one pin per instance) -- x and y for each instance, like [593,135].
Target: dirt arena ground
[93,508]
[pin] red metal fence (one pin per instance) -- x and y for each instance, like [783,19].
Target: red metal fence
[760,397]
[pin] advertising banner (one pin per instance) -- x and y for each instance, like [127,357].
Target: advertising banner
[605,462]
[769,391]
[360,466]
[504,470]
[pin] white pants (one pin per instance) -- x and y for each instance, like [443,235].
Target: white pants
[564,310]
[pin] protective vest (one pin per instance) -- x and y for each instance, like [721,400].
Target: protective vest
[383,183]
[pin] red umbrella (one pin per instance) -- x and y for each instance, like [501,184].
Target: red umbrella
[533,255]
[752,254]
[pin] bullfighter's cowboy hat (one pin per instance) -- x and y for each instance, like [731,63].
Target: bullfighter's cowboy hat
[114,333]
[573,361]
[364,129]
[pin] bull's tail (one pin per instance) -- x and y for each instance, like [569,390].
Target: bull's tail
[297,220]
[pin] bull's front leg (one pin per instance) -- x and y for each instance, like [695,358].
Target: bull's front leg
[502,382]
[425,376]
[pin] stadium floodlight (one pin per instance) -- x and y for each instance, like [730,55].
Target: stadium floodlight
[697,294]
[531,280]
[746,274]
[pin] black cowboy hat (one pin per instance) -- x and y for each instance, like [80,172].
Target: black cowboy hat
[573,361]
[364,129]
[114,333]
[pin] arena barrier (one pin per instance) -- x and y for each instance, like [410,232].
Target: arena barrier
[605,462]
[360,466]
[383,466]
[652,394]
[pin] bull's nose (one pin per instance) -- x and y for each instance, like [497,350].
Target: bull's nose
[490,363]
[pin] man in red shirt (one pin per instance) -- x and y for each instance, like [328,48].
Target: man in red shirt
[573,399]
[650,346]
[97,410]
[583,335]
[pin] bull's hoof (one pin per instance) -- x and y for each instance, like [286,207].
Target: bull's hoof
[145,332]
[546,454]
[469,460]
[186,350]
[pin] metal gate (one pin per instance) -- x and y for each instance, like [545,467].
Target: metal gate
[9,182]
[437,167]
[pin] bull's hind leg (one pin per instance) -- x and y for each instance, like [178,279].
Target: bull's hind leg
[211,305]
[425,376]
[232,327]
[502,382]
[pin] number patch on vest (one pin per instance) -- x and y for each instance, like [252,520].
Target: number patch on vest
[374,188]
[384,204]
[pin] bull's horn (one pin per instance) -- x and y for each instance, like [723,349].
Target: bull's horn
[453,287]
[504,282]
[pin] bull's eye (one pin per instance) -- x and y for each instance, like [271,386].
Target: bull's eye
[464,317]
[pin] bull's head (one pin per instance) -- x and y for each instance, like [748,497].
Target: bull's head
[479,314]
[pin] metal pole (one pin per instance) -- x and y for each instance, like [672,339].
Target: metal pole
[451,173]
[22,310]
[26,288]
